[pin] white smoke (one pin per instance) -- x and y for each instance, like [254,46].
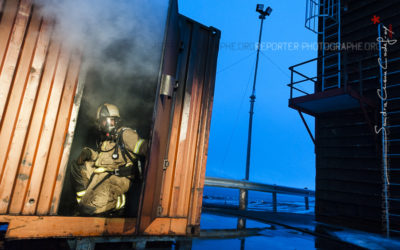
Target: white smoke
[121,41]
[96,25]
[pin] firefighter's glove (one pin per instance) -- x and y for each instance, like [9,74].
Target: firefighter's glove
[84,156]
[126,170]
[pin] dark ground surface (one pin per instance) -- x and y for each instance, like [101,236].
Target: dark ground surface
[326,236]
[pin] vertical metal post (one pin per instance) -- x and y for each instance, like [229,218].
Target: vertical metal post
[241,223]
[242,199]
[274,202]
[307,3]
[306,201]
[307,204]
[252,101]
[314,13]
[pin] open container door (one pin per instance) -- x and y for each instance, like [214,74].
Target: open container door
[150,203]
[176,208]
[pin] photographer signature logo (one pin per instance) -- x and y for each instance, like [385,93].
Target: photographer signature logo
[384,41]
[377,20]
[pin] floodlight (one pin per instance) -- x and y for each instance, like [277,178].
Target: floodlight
[260,8]
[268,11]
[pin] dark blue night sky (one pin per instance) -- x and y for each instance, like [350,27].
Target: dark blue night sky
[282,151]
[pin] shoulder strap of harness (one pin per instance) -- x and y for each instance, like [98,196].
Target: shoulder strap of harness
[127,153]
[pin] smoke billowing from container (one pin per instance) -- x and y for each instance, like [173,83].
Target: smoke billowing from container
[97,25]
[121,41]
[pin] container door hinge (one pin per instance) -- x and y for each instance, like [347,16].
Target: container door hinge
[159,210]
[167,85]
[165,164]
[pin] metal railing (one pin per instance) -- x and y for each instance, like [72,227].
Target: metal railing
[360,66]
[294,71]
[254,186]
[316,9]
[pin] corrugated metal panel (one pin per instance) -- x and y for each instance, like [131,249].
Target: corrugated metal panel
[38,85]
[184,178]
[42,85]
[149,209]
[204,130]
[180,184]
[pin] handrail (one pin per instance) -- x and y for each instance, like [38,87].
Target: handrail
[261,187]
[241,184]
[346,71]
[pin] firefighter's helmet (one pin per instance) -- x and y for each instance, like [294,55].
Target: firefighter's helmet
[108,118]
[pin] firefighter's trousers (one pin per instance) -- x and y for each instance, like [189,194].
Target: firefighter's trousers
[98,193]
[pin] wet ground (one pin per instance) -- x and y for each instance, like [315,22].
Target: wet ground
[282,230]
[268,237]
[260,235]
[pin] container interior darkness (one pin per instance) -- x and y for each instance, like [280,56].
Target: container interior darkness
[126,74]
[136,113]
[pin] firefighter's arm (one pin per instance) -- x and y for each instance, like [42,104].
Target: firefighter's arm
[134,143]
[87,154]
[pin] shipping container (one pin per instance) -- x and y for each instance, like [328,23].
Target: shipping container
[47,97]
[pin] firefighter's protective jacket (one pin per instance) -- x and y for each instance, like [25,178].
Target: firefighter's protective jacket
[99,187]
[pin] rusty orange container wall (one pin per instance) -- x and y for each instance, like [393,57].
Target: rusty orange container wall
[38,83]
[41,84]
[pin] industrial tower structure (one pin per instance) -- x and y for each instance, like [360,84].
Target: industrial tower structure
[356,105]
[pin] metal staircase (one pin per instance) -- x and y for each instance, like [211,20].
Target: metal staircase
[327,11]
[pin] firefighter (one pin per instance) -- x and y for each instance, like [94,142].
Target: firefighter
[102,177]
